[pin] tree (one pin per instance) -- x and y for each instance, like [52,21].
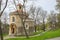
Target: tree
[5,25]
[22,18]
[34,12]
[58,20]
[52,20]
[58,15]
[58,5]
[4,18]
[43,15]
[1,12]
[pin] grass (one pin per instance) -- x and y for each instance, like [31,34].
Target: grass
[35,33]
[4,34]
[46,35]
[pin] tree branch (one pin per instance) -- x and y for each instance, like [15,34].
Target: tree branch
[4,8]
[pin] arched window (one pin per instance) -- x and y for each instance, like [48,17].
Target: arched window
[27,26]
[13,19]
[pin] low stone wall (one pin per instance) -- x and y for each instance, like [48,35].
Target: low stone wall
[31,30]
[22,32]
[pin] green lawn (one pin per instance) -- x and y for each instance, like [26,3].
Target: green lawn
[35,33]
[5,34]
[49,34]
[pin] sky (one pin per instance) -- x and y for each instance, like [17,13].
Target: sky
[47,5]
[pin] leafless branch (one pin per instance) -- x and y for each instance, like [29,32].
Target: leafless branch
[4,8]
[23,22]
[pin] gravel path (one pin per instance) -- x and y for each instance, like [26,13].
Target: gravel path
[57,38]
[7,37]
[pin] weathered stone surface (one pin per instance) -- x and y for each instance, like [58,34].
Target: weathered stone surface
[17,23]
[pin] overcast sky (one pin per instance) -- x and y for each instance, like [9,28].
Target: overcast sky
[47,5]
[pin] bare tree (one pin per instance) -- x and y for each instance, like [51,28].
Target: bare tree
[1,12]
[58,5]
[52,20]
[37,17]
[43,15]
[5,19]
[34,12]
[22,18]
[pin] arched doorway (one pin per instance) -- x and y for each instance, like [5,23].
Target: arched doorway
[12,28]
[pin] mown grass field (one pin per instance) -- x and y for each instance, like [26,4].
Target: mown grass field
[49,34]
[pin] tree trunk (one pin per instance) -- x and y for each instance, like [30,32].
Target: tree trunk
[1,35]
[43,25]
[35,25]
[25,30]
[35,28]
[1,12]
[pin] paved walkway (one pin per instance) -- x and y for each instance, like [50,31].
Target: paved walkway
[7,37]
[57,38]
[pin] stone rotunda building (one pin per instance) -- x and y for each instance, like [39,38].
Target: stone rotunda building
[16,27]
